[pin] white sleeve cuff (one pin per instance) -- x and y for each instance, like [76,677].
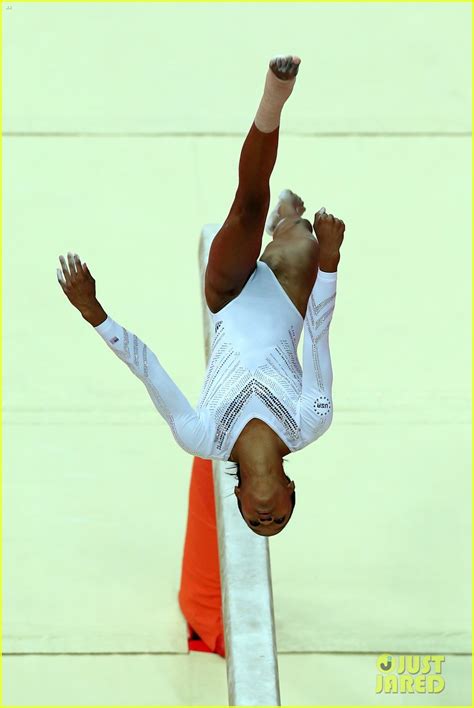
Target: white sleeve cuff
[324,275]
[105,326]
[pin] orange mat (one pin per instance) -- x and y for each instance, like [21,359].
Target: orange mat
[199,595]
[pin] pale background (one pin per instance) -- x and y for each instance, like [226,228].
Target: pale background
[124,124]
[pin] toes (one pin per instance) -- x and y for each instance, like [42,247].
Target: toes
[274,64]
[287,65]
[294,69]
[300,208]
[293,65]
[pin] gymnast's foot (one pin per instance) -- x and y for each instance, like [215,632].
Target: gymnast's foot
[279,83]
[289,204]
[285,67]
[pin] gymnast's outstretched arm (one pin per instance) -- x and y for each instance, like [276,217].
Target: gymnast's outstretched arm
[316,408]
[189,429]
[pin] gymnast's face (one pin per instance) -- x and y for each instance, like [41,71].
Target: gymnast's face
[266,510]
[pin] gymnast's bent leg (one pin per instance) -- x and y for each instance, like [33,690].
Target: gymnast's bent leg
[236,247]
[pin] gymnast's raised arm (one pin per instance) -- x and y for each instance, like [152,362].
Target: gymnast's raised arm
[316,409]
[189,430]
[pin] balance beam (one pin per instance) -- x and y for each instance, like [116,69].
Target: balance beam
[244,557]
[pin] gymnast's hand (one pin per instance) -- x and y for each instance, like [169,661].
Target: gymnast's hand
[330,234]
[78,285]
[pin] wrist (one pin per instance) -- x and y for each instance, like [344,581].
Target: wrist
[328,262]
[94,314]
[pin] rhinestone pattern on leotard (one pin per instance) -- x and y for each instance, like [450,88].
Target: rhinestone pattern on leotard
[313,324]
[253,371]
[229,386]
[140,368]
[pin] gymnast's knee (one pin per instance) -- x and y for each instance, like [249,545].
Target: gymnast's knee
[251,208]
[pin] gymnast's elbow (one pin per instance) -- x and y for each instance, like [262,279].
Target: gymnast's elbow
[185,443]
[192,437]
[316,413]
[328,421]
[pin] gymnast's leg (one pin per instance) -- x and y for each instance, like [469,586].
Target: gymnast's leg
[236,247]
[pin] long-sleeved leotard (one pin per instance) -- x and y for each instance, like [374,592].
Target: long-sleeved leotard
[188,428]
[316,394]
[253,370]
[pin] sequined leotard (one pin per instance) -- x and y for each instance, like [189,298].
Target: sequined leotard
[253,369]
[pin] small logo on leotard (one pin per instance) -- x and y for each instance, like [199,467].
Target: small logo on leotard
[322,406]
[113,340]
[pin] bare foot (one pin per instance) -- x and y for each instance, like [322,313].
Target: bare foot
[285,67]
[289,204]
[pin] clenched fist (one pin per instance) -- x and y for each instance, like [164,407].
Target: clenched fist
[330,233]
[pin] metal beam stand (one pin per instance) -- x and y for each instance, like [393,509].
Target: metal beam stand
[247,600]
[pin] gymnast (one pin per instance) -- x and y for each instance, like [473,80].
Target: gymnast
[257,403]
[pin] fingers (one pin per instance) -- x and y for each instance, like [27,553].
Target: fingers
[323,216]
[60,276]
[65,270]
[80,270]
[72,267]
[328,218]
[319,214]
[71,271]
[340,225]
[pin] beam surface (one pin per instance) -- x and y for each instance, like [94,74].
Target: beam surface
[247,600]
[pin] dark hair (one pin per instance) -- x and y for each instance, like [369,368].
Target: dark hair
[236,474]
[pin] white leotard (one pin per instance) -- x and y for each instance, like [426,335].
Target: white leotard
[253,369]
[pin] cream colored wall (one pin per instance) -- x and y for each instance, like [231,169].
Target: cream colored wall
[102,106]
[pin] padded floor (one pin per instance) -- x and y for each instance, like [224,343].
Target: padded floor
[121,153]
[200,679]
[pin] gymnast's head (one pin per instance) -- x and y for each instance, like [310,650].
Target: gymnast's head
[265,496]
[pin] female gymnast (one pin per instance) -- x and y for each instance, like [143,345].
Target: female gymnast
[257,403]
